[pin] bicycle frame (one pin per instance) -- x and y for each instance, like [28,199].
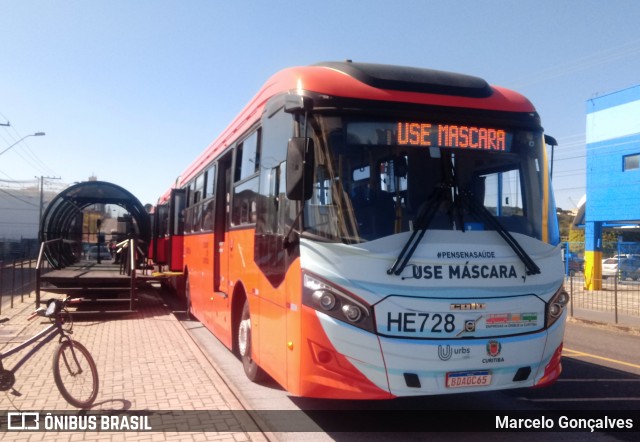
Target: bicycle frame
[71,360]
[48,334]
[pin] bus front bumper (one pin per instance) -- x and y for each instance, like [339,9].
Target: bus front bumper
[348,362]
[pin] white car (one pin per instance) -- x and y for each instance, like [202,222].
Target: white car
[629,268]
[609,267]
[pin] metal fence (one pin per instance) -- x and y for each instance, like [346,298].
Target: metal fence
[17,281]
[17,270]
[11,249]
[618,298]
[618,301]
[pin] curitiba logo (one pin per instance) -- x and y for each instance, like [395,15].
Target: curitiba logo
[493,350]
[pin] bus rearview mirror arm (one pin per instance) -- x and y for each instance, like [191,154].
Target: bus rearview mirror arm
[548,139]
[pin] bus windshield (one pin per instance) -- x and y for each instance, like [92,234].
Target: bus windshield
[373,178]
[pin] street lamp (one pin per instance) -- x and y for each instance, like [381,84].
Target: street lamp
[37,134]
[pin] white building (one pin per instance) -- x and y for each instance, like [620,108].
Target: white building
[20,213]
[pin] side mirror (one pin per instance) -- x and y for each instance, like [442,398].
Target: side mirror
[549,140]
[300,160]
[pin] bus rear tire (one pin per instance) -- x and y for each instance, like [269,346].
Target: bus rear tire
[251,368]
[187,295]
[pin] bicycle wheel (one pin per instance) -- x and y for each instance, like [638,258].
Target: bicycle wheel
[75,374]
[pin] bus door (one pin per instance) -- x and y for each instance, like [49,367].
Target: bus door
[161,234]
[221,249]
[177,204]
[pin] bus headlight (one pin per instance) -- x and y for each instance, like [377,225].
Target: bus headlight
[555,310]
[329,299]
[352,312]
[324,299]
[556,306]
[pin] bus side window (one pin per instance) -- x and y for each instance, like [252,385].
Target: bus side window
[198,189]
[246,187]
[208,216]
[248,157]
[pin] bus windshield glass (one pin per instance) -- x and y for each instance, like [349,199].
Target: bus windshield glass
[373,178]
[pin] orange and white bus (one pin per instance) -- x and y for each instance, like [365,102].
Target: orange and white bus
[372,231]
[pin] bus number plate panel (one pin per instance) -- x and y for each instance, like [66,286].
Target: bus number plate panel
[451,318]
[412,323]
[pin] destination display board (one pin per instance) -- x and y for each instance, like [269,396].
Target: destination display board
[427,134]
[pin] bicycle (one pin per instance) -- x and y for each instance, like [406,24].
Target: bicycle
[74,369]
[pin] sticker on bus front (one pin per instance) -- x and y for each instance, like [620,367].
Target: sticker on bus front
[468,379]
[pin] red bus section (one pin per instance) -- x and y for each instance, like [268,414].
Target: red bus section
[366,231]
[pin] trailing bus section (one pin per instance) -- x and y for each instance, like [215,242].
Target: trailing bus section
[83,257]
[372,231]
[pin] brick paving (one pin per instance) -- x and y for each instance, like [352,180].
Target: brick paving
[146,362]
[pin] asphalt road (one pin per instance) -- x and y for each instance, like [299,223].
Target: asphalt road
[601,375]
[604,346]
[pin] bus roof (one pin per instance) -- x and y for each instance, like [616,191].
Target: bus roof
[368,82]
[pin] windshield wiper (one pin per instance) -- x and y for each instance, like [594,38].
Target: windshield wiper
[422,224]
[487,217]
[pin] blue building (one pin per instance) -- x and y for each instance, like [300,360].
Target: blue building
[613,172]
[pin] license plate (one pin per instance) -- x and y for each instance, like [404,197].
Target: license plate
[469,379]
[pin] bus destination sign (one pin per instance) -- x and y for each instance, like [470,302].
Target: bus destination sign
[453,136]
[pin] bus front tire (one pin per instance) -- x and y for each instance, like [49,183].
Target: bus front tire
[251,368]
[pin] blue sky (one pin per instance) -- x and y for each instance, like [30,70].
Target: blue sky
[132,91]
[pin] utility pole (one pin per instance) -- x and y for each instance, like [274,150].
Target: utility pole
[42,178]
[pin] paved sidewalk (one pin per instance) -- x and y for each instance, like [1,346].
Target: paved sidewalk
[146,362]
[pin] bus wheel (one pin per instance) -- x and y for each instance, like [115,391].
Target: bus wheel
[251,369]
[187,295]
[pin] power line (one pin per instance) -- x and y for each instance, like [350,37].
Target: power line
[582,63]
[34,160]
[8,176]
[42,178]
[18,198]
[18,181]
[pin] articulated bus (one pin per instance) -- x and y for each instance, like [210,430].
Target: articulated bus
[367,231]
